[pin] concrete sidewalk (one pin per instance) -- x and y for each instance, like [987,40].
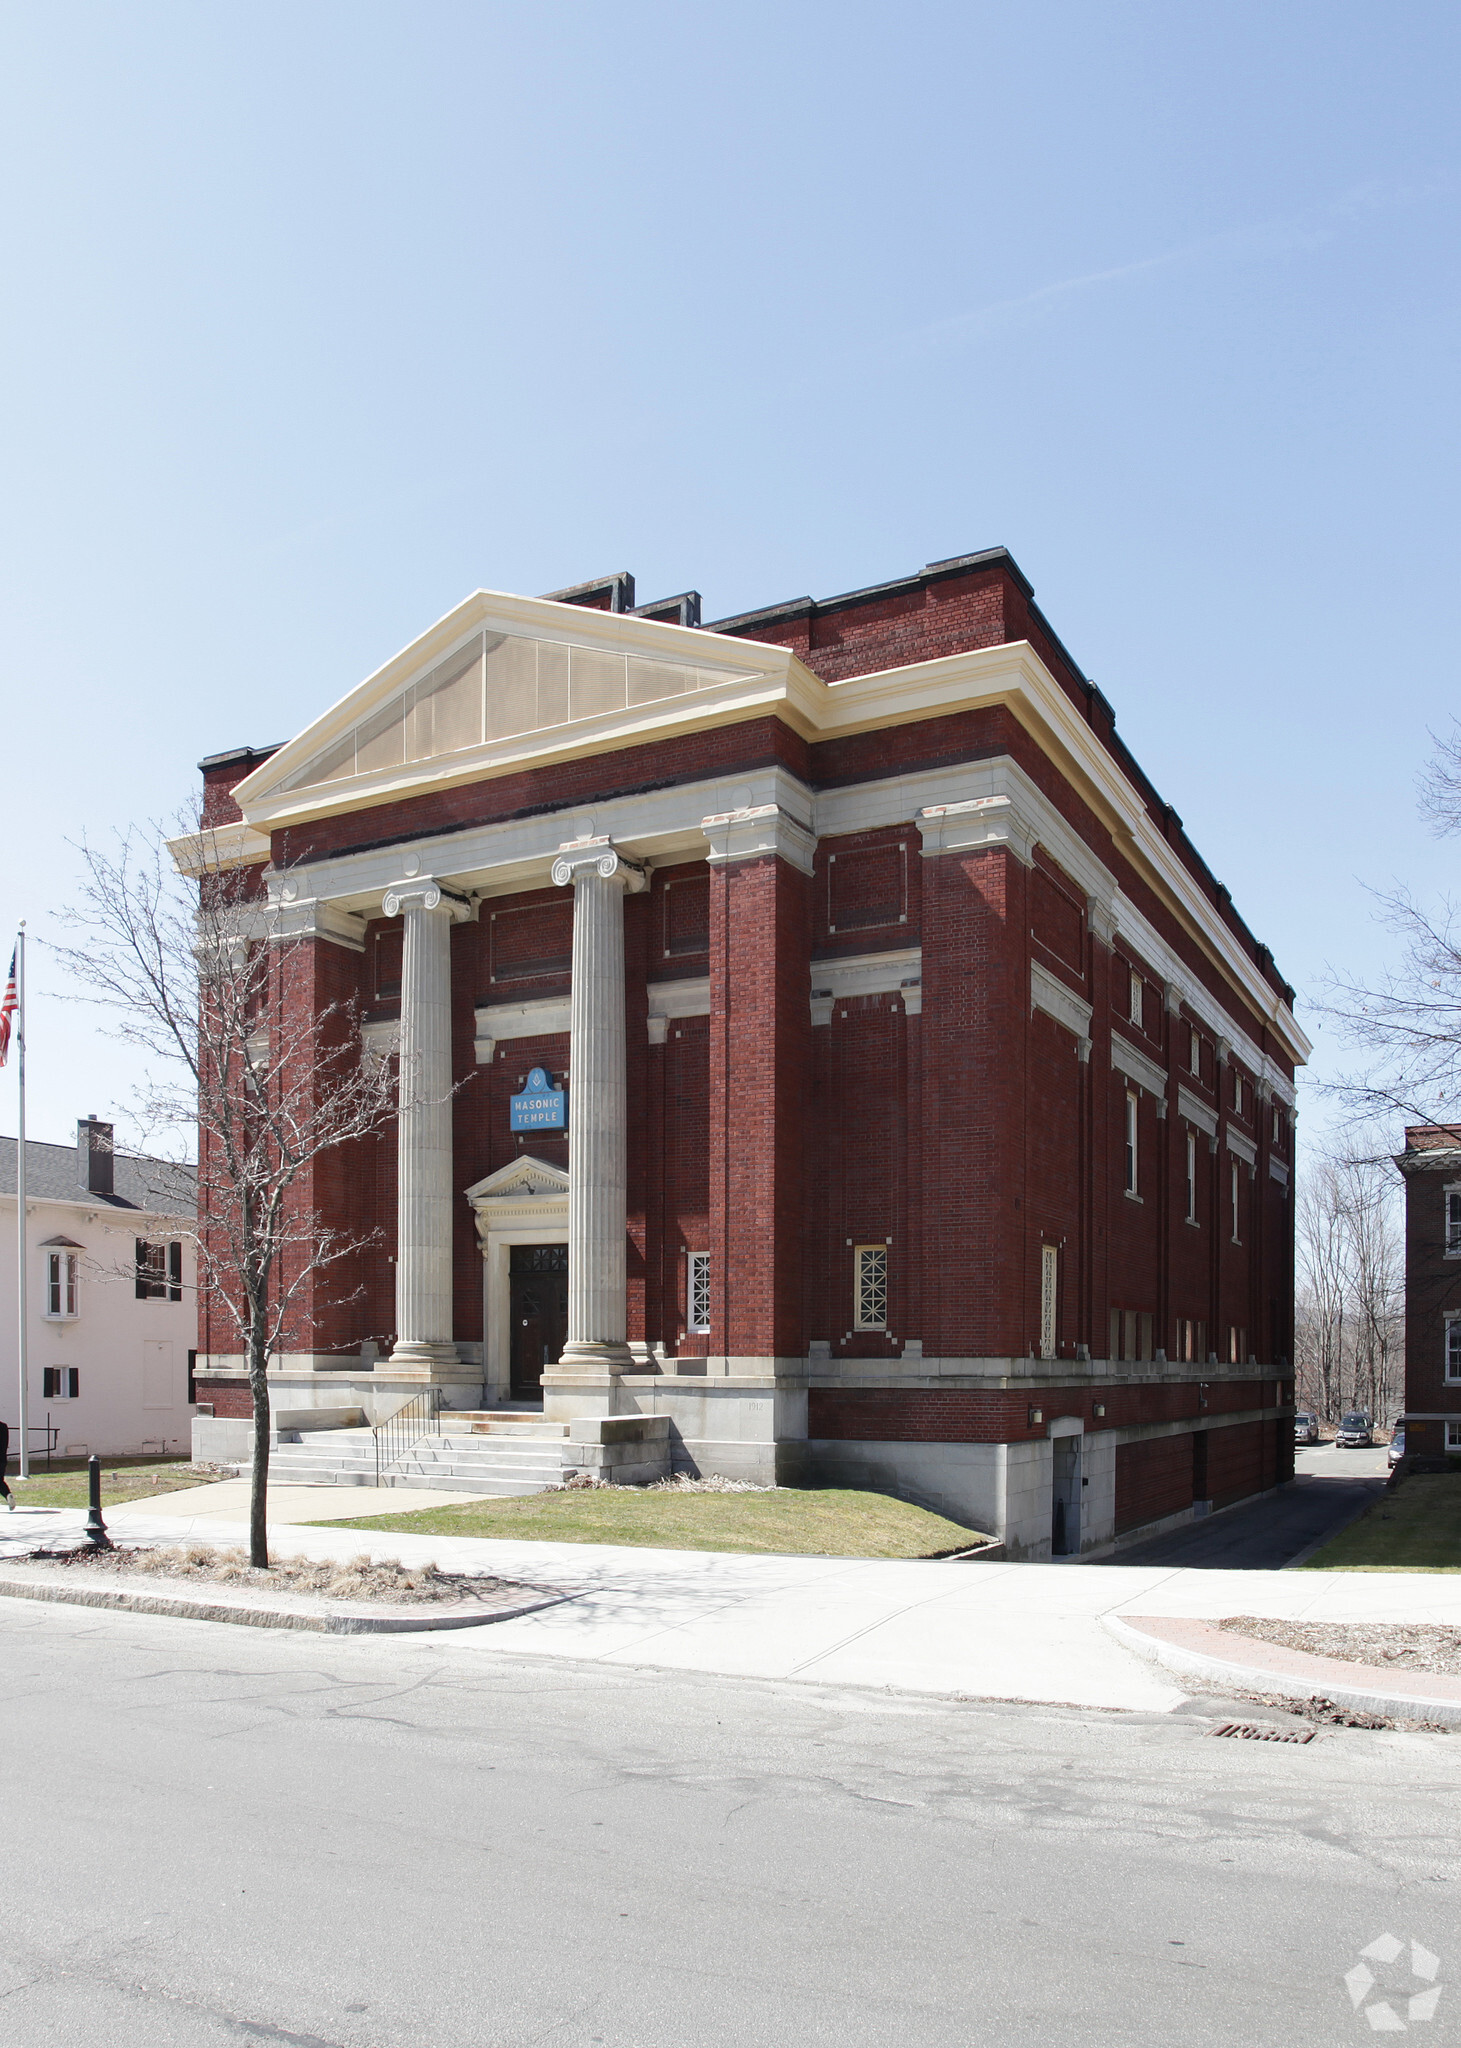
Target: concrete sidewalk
[1028,1632]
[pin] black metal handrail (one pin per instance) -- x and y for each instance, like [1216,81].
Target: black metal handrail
[400,1433]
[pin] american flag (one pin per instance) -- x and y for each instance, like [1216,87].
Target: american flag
[7,1010]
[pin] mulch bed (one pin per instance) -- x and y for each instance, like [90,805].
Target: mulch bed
[1394,1645]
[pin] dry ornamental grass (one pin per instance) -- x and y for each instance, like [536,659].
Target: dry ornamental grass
[356,1578]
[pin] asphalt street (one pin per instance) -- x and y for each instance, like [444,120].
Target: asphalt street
[220,1835]
[1328,1489]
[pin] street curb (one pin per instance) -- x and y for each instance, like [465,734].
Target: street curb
[344,1624]
[1299,1676]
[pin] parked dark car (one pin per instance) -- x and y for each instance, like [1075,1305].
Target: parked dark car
[1397,1446]
[1353,1433]
[1306,1427]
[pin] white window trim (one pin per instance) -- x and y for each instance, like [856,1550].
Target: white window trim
[1131,1160]
[1452,1366]
[1453,1237]
[1136,1007]
[1453,1436]
[870,1287]
[72,1383]
[1191,1177]
[1049,1297]
[697,1295]
[1233,1198]
[70,1283]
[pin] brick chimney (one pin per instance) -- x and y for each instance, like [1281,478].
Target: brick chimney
[94,1155]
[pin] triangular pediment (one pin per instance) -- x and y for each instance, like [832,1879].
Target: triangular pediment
[520,1178]
[498,676]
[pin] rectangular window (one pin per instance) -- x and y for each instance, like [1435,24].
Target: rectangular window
[1277,1126]
[61,1290]
[1049,1286]
[698,1317]
[1453,1436]
[1191,1178]
[60,1383]
[1191,1341]
[1194,1052]
[1233,1196]
[870,1287]
[1238,1093]
[159,1271]
[1138,994]
[1453,1347]
[1453,1223]
[1237,1345]
[1130,1143]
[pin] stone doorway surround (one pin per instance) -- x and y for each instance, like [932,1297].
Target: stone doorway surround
[524,1202]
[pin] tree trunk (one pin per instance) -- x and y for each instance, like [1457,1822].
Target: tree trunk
[259,1479]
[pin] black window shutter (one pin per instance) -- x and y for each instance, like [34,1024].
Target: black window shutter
[175,1271]
[48,1383]
[142,1287]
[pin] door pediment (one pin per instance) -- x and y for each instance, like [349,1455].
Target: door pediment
[525,1191]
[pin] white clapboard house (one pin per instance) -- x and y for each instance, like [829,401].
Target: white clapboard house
[111,1297]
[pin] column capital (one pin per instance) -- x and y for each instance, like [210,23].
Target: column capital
[757,831]
[970,827]
[579,858]
[424,892]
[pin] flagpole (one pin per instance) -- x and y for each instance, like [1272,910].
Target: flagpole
[20,1235]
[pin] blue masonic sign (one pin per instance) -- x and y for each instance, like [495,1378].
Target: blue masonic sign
[540,1107]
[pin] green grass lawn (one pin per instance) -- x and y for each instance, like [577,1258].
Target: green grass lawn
[823,1522]
[122,1479]
[1417,1528]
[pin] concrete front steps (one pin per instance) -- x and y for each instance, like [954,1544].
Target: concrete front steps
[479,1452]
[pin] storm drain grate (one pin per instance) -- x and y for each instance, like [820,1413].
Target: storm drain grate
[1255,1731]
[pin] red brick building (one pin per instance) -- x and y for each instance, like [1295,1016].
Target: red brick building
[929,1107]
[1431,1164]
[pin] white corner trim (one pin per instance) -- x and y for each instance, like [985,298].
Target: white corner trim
[678,999]
[1244,1148]
[1196,1112]
[868,974]
[1126,1059]
[756,831]
[1057,1001]
[219,846]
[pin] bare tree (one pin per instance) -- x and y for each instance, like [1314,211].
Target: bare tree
[1349,1317]
[197,976]
[1408,1020]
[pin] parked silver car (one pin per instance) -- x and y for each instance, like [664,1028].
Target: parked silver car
[1354,1432]
[1306,1427]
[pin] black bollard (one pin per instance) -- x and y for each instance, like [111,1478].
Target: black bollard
[96,1528]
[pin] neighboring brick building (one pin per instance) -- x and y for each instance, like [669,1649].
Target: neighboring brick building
[1431,1164]
[931,1107]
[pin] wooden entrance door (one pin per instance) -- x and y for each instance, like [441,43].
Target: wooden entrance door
[538,1293]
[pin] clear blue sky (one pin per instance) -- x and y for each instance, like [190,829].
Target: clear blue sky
[320,316]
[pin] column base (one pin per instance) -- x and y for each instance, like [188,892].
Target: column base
[582,1357]
[432,1361]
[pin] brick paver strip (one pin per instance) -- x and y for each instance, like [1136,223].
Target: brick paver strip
[1199,1649]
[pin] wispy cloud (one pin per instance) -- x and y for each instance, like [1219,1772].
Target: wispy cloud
[1258,242]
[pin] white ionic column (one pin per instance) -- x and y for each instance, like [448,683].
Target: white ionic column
[597,1139]
[424,1147]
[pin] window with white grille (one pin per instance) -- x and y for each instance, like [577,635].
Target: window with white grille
[1233,1198]
[1453,1436]
[1453,1223]
[1049,1294]
[1137,1007]
[1191,1178]
[698,1317]
[1453,1347]
[1131,1143]
[870,1287]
